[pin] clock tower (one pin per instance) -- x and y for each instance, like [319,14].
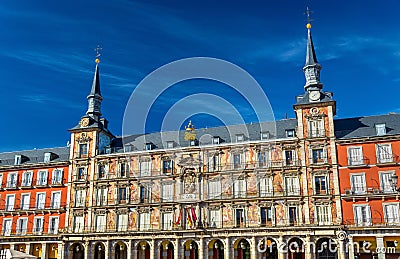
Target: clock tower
[315,110]
[89,138]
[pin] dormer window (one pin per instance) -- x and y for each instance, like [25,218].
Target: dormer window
[264,135]
[290,133]
[193,143]
[17,160]
[47,157]
[170,144]
[215,140]
[148,146]
[239,138]
[380,129]
[128,148]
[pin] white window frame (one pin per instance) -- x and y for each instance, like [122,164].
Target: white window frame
[361,221]
[216,140]
[122,222]
[383,155]
[101,196]
[215,217]
[10,207]
[239,138]
[55,204]
[167,220]
[380,129]
[145,167]
[316,128]
[54,229]
[47,157]
[320,160]
[1,180]
[12,183]
[23,205]
[27,177]
[79,223]
[40,204]
[324,218]
[22,230]
[265,186]
[101,222]
[144,220]
[7,226]
[267,208]
[292,187]
[394,219]
[167,191]
[244,222]
[326,184]
[57,176]
[358,188]
[386,187]
[265,135]
[170,144]
[239,188]
[353,161]
[214,188]
[17,159]
[42,176]
[38,229]
[80,198]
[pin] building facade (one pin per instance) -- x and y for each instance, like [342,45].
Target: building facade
[368,160]
[33,200]
[249,191]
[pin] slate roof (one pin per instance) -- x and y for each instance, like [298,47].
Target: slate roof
[226,134]
[304,99]
[59,154]
[359,127]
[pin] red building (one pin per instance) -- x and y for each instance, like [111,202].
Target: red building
[368,150]
[33,195]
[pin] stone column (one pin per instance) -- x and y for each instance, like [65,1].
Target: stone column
[253,248]
[177,252]
[282,248]
[309,251]
[227,248]
[28,248]
[380,245]
[201,249]
[129,249]
[351,247]
[134,250]
[86,249]
[107,249]
[60,251]
[152,249]
[342,249]
[44,251]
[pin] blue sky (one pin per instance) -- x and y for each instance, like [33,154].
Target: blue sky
[46,57]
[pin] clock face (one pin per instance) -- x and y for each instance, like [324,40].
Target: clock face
[314,95]
[84,122]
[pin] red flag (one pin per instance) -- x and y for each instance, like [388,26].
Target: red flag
[189,218]
[178,221]
[193,214]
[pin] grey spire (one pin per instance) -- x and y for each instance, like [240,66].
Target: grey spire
[311,69]
[95,98]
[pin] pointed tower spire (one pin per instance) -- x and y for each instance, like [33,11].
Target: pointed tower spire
[312,68]
[95,98]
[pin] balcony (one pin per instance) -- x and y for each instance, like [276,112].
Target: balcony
[41,183]
[29,231]
[317,133]
[358,162]
[26,184]
[378,222]
[11,185]
[387,160]
[368,191]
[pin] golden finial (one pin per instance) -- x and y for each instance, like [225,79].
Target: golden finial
[190,134]
[98,49]
[190,126]
[308,12]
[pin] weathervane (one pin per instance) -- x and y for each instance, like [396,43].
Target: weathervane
[98,54]
[308,12]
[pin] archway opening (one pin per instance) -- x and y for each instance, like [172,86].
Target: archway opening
[99,251]
[267,249]
[78,251]
[326,249]
[295,249]
[143,250]
[216,249]
[191,250]
[241,249]
[120,251]
[166,250]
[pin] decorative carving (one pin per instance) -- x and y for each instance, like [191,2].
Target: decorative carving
[190,182]
[83,138]
[190,161]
